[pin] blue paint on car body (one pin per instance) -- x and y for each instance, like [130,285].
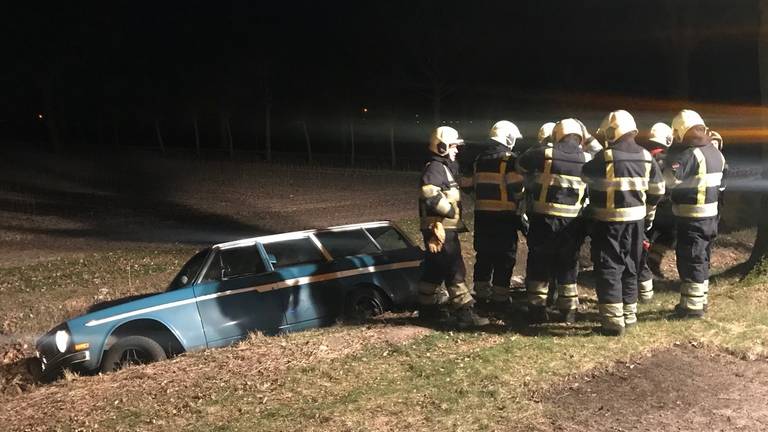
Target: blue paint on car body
[269,284]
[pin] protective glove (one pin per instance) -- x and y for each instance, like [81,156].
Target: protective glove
[436,241]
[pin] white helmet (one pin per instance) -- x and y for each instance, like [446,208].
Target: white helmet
[442,138]
[506,133]
[684,121]
[617,124]
[566,127]
[661,134]
[545,132]
[717,140]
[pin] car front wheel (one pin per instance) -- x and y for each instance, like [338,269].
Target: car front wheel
[364,303]
[132,350]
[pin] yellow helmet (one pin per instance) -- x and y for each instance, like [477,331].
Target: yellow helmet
[661,134]
[617,124]
[506,133]
[545,132]
[566,127]
[442,138]
[684,121]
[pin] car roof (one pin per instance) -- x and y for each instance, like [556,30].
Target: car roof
[298,234]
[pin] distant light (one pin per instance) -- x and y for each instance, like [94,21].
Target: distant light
[40,116]
[417,116]
[365,110]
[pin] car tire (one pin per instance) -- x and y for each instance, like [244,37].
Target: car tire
[364,303]
[132,350]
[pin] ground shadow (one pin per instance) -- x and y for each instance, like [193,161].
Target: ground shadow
[112,198]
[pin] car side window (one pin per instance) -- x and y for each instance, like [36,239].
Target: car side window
[292,252]
[189,271]
[213,272]
[346,243]
[387,238]
[236,262]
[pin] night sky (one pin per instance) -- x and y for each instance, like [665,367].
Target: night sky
[97,68]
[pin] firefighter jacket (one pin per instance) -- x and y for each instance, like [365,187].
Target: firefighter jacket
[625,182]
[554,178]
[440,197]
[498,187]
[695,174]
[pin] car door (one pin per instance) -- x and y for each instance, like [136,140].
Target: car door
[304,266]
[238,294]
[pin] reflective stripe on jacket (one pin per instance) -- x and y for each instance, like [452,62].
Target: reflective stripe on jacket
[695,175]
[556,188]
[498,187]
[440,198]
[625,182]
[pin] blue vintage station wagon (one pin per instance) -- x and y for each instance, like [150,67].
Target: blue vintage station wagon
[270,284]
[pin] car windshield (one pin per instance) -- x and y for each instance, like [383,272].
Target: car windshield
[190,270]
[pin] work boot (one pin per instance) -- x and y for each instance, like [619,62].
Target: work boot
[568,316]
[611,331]
[682,312]
[537,314]
[466,317]
[483,291]
[434,314]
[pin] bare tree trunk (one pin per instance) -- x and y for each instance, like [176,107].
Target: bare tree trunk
[437,94]
[352,142]
[197,138]
[309,143]
[682,41]
[116,133]
[159,136]
[268,129]
[51,118]
[343,136]
[100,130]
[231,143]
[392,144]
[760,250]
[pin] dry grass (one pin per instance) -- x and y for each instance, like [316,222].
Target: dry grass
[386,376]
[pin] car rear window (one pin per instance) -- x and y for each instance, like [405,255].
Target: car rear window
[346,243]
[387,238]
[292,252]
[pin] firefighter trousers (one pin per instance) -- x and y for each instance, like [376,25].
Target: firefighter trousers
[660,239]
[495,258]
[616,251]
[553,253]
[693,251]
[445,266]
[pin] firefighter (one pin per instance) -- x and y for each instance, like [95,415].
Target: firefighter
[694,172]
[556,197]
[498,190]
[625,184]
[440,214]
[661,235]
[544,137]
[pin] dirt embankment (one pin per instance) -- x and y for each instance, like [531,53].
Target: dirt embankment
[677,389]
[168,390]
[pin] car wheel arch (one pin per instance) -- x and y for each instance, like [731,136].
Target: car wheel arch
[384,297]
[154,329]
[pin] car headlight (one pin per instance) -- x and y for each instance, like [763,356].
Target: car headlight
[62,340]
